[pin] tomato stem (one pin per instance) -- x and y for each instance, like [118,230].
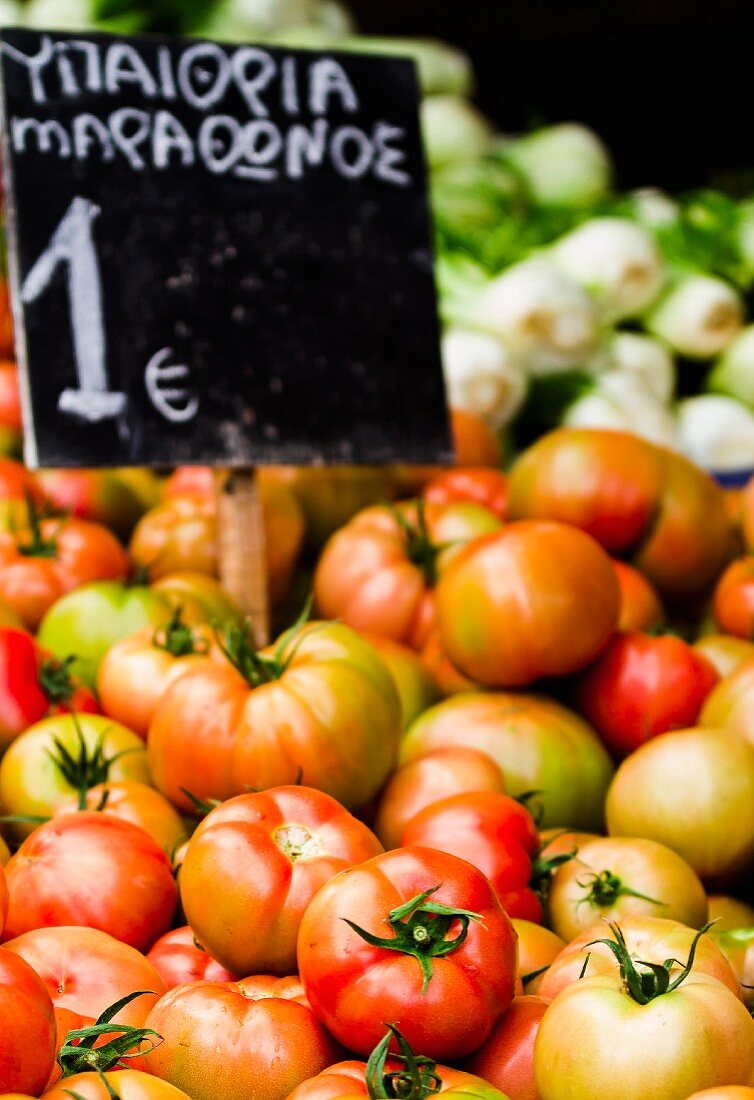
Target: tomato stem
[416,1078]
[78,1054]
[35,545]
[177,638]
[88,767]
[56,681]
[420,928]
[653,980]
[605,888]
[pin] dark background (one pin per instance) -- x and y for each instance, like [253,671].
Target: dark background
[668,84]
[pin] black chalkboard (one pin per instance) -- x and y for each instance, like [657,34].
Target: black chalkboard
[219,254]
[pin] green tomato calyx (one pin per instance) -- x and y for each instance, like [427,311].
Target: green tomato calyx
[420,928]
[87,767]
[56,681]
[258,668]
[415,1078]
[78,1054]
[604,889]
[177,638]
[653,979]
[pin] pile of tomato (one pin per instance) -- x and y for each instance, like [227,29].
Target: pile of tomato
[479,820]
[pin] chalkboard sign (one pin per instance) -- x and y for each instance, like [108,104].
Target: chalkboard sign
[220,254]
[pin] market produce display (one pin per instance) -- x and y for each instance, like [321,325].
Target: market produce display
[479,819]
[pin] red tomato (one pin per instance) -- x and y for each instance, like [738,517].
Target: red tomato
[180,959]
[259,986]
[43,562]
[506,1058]
[475,444]
[86,971]
[3,899]
[127,1084]
[535,599]
[34,685]
[641,686]
[427,780]
[219,1044]
[7,342]
[733,601]
[138,803]
[640,606]
[91,870]
[448,970]
[493,832]
[27,1027]
[480,484]
[116,498]
[254,864]
[378,572]
[11,429]
[319,707]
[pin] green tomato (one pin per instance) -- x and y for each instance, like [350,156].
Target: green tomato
[91,619]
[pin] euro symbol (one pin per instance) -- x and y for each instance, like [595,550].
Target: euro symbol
[174,402]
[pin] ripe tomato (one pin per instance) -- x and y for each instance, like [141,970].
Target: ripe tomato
[90,870]
[480,484]
[638,500]
[642,685]
[733,601]
[86,971]
[428,779]
[651,939]
[126,1084]
[63,756]
[11,429]
[738,948]
[537,947]
[447,973]
[3,899]
[51,557]
[138,803]
[7,342]
[640,606]
[692,790]
[319,707]
[219,1044]
[729,913]
[413,682]
[729,705]
[725,652]
[34,685]
[180,959]
[137,671]
[642,1035]
[180,533]
[254,864]
[201,598]
[474,442]
[378,572]
[506,1058]
[27,1026]
[535,599]
[611,877]
[539,746]
[725,1092]
[116,498]
[495,833]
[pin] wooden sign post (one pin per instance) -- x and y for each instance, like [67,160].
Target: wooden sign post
[219,255]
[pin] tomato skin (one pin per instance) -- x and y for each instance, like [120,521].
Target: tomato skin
[480,484]
[595,1041]
[738,948]
[115,498]
[415,686]
[138,803]
[374,577]
[725,652]
[254,864]
[729,705]
[651,939]
[641,686]
[638,500]
[180,533]
[426,780]
[95,871]
[136,672]
[537,947]
[474,442]
[27,1026]
[32,783]
[11,430]
[23,698]
[574,902]
[725,1092]
[491,831]
[538,744]
[510,605]
[506,1059]
[180,960]
[3,899]
[640,606]
[84,552]
[332,720]
[85,971]
[219,1044]
[729,913]
[733,600]
[692,790]
[353,986]
[348,1079]
[128,1084]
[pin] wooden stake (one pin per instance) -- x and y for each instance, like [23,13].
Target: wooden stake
[241,547]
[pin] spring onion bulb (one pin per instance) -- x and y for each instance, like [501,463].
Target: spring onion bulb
[698,317]
[716,432]
[647,358]
[443,69]
[617,261]
[622,402]
[542,316]
[562,165]
[481,377]
[453,130]
[65,15]
[654,207]
[733,373]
